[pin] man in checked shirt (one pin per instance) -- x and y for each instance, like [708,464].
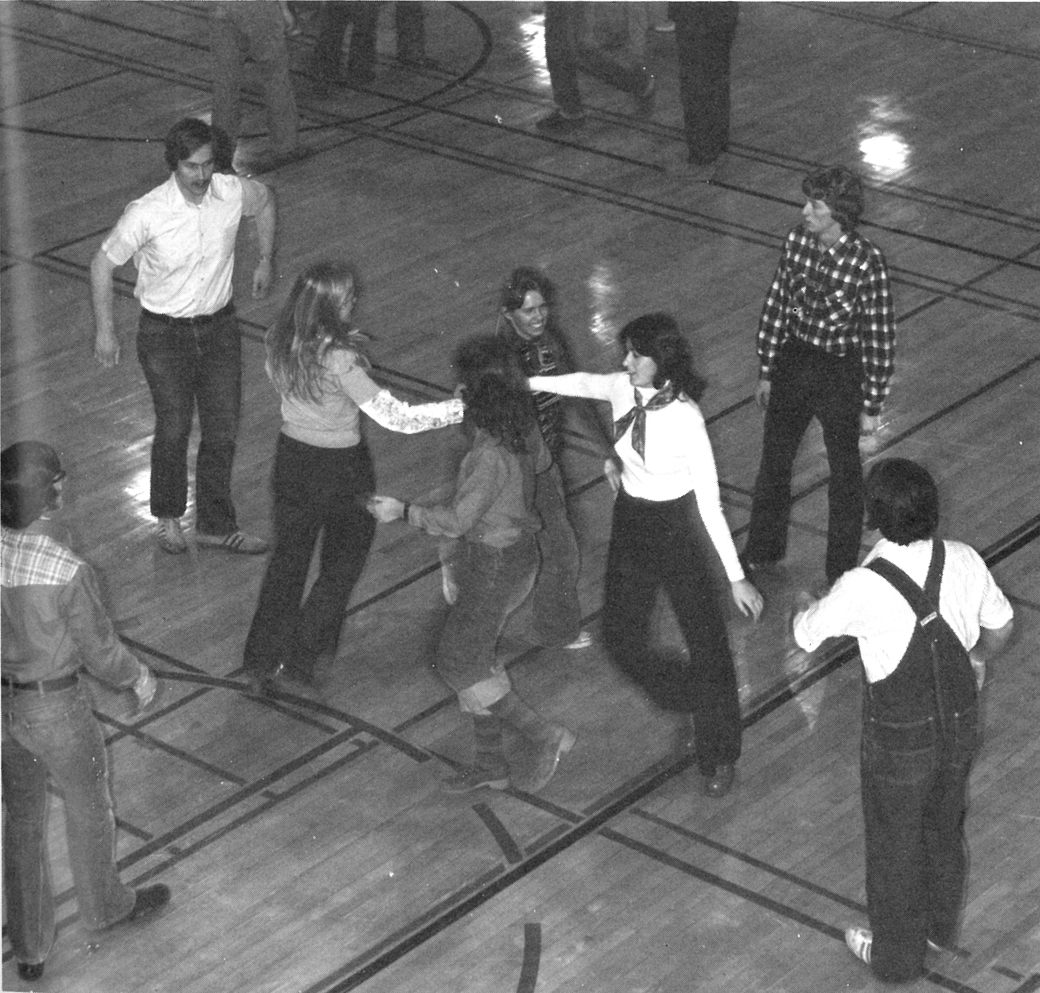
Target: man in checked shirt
[826,348]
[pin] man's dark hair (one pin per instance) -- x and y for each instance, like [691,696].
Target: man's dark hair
[902,501]
[657,336]
[842,191]
[29,473]
[521,282]
[186,137]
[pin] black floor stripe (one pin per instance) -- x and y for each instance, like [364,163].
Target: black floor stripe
[532,958]
[499,832]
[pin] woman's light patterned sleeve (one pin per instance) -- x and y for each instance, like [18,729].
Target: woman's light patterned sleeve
[405,418]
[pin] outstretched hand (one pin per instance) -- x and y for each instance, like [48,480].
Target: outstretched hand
[385,508]
[748,600]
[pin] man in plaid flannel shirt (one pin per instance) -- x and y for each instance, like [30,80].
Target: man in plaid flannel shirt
[826,349]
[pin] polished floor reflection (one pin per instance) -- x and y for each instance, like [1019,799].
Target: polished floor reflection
[307,842]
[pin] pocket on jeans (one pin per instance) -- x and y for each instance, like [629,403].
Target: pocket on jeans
[903,752]
[899,767]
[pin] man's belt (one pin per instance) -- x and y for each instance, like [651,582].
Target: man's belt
[200,320]
[41,685]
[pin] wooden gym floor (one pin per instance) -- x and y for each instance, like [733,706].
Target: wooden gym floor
[307,843]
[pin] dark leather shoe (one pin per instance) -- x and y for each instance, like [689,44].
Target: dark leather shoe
[30,970]
[148,901]
[721,783]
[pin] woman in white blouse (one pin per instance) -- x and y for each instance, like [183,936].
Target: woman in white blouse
[664,453]
[322,473]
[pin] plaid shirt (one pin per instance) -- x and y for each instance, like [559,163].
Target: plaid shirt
[836,299]
[53,621]
[542,356]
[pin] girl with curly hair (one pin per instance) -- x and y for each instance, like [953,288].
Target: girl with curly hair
[494,567]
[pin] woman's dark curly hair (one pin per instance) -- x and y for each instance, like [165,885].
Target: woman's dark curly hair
[494,391]
[523,280]
[657,336]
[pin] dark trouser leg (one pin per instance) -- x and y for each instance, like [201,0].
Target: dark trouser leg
[945,845]
[226,49]
[332,26]
[218,391]
[787,417]
[411,32]
[561,57]
[347,536]
[168,359]
[297,522]
[556,611]
[628,79]
[632,581]
[262,24]
[361,55]
[894,787]
[703,38]
[840,400]
[714,700]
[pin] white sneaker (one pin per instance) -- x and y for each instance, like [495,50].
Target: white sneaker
[168,534]
[584,640]
[859,940]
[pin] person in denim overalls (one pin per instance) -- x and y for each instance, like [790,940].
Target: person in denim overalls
[927,614]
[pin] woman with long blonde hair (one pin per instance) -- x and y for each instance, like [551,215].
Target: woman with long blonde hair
[322,473]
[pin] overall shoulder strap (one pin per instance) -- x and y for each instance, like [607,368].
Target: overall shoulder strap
[924,602]
[910,591]
[935,571]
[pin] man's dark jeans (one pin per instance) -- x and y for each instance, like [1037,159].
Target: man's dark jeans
[189,364]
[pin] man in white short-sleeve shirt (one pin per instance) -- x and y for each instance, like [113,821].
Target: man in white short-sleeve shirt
[920,713]
[181,237]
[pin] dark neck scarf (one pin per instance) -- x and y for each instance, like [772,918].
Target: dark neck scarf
[664,396]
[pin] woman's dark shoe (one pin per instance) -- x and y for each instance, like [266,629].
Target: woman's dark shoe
[146,902]
[30,970]
[474,778]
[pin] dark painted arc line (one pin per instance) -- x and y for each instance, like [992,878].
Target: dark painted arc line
[1031,985]
[532,958]
[178,753]
[499,832]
